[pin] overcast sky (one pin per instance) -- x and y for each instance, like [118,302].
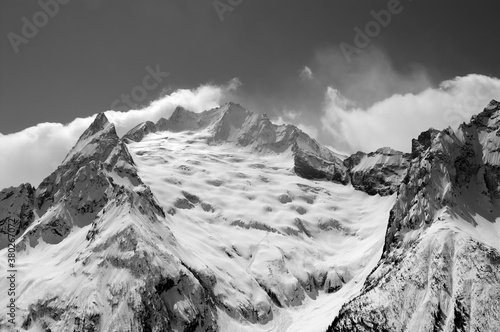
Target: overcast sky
[285,58]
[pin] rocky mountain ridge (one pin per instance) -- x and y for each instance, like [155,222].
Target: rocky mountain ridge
[379,172]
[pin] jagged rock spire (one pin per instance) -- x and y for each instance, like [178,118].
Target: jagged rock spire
[99,124]
[99,139]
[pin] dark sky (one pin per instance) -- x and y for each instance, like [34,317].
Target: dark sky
[92,51]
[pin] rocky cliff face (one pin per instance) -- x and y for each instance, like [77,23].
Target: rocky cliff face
[440,267]
[310,166]
[380,172]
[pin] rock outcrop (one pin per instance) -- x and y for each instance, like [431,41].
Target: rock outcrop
[380,172]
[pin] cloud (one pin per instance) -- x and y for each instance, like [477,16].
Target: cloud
[371,103]
[234,84]
[32,154]
[397,119]
[306,73]
[291,115]
[370,77]
[288,116]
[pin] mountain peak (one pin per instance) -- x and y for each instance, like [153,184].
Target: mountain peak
[182,114]
[180,110]
[100,123]
[101,118]
[181,119]
[234,109]
[493,105]
[423,142]
[101,133]
[235,112]
[232,106]
[387,151]
[489,117]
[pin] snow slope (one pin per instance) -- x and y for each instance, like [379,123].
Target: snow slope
[278,245]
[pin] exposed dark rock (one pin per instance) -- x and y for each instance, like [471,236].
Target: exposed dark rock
[310,166]
[183,203]
[137,133]
[190,197]
[284,198]
[380,172]
[207,207]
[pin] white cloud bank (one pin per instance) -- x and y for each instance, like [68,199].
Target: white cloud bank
[397,119]
[370,102]
[32,154]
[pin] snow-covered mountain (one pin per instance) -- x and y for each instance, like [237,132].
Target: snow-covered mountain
[224,221]
[440,269]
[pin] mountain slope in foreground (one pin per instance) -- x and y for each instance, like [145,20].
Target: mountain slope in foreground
[440,270]
[223,221]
